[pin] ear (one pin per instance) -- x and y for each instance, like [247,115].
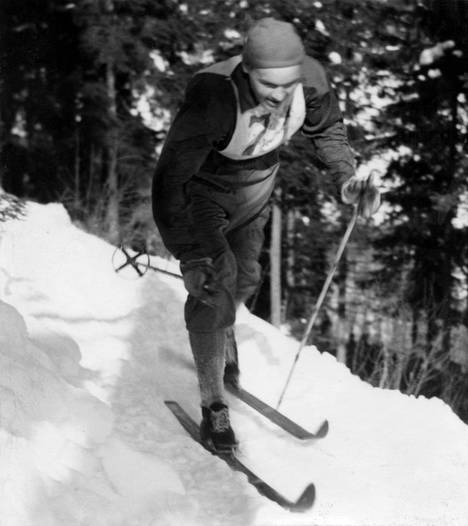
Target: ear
[245,67]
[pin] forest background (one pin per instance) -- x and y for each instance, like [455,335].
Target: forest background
[89,88]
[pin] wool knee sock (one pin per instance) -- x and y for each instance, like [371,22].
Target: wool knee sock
[208,352]
[231,346]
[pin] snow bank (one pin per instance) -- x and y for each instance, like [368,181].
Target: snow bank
[61,460]
[48,427]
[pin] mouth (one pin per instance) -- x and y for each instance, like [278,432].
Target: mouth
[272,103]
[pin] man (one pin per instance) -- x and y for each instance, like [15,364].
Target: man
[214,180]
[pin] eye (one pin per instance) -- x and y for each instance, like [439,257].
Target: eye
[269,85]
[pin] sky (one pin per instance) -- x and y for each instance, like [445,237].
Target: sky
[88,357]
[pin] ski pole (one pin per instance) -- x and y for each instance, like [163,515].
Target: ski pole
[323,293]
[138,265]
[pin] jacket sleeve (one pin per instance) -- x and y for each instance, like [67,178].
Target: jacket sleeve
[324,125]
[201,123]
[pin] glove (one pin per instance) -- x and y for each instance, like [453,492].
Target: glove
[199,279]
[362,192]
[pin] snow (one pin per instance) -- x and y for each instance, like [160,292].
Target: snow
[430,55]
[88,358]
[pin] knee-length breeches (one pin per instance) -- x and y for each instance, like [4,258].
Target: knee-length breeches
[228,225]
[235,256]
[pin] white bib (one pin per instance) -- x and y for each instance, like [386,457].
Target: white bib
[257,130]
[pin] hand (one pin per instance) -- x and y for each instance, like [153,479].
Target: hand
[362,192]
[199,279]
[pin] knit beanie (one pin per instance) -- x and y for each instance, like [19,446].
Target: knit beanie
[272,43]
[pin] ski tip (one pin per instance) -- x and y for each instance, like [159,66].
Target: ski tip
[305,501]
[323,430]
[171,404]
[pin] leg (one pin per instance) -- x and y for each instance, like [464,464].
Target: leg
[207,325]
[209,362]
[207,334]
[231,367]
[246,243]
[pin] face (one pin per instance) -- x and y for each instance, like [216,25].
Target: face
[274,87]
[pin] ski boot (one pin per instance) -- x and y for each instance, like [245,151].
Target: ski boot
[231,369]
[215,429]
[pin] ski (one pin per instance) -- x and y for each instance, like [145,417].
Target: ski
[275,416]
[302,504]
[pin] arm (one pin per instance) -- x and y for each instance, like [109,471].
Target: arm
[202,122]
[324,124]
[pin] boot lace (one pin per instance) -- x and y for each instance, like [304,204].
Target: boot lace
[220,420]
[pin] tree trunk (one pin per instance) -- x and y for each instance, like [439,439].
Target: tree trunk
[290,233]
[447,321]
[290,261]
[112,216]
[95,159]
[77,169]
[343,326]
[275,266]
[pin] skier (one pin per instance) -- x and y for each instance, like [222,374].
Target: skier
[214,180]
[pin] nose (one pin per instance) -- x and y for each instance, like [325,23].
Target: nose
[279,94]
